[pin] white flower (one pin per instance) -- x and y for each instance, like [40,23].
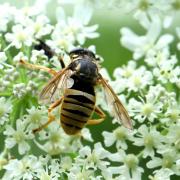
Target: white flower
[5,16]
[40,27]
[119,136]
[125,71]
[73,29]
[77,24]
[23,16]
[65,164]
[26,168]
[129,169]
[10,75]
[172,114]
[18,136]
[156,58]
[86,134]
[19,90]
[60,41]
[32,87]
[20,56]
[3,59]
[50,170]
[37,56]
[168,71]
[161,174]
[172,142]
[20,36]
[149,138]
[5,110]
[36,117]
[168,161]
[93,159]
[54,141]
[130,78]
[78,173]
[139,79]
[140,45]
[147,108]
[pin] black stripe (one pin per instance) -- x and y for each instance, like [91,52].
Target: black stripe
[73,118]
[69,125]
[76,112]
[78,103]
[81,98]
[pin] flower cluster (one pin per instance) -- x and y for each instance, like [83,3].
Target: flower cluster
[148,85]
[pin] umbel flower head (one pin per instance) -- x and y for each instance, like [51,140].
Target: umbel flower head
[147,84]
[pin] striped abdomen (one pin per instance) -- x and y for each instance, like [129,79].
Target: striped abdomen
[76,110]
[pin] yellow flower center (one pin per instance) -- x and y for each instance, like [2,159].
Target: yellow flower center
[127,73]
[37,27]
[148,141]
[131,161]
[147,109]
[143,4]
[120,133]
[167,162]
[174,115]
[19,136]
[21,36]
[137,81]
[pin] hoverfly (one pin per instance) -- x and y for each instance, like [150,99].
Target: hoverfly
[78,101]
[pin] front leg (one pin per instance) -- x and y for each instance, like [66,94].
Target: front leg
[38,67]
[48,51]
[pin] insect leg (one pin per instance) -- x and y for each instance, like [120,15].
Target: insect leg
[97,121]
[51,117]
[61,62]
[48,51]
[43,46]
[33,66]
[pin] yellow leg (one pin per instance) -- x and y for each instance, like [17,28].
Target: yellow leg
[33,66]
[51,117]
[97,121]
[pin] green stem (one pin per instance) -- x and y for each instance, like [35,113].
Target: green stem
[19,106]
[23,76]
[6,94]
[4,46]
[140,154]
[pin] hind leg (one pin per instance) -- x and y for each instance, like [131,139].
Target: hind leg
[51,117]
[97,121]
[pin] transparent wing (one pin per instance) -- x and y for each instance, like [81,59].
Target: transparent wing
[118,109]
[55,87]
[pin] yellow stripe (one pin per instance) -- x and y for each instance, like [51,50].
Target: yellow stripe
[81,93]
[77,107]
[79,103]
[75,116]
[72,122]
